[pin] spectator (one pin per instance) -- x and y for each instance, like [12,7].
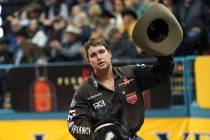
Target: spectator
[5,55]
[34,10]
[53,9]
[27,52]
[129,21]
[76,13]
[139,7]
[37,52]
[192,17]
[105,23]
[14,26]
[93,13]
[57,29]
[31,11]
[80,19]
[121,48]
[70,50]
[32,28]
[83,5]
[118,8]
[84,25]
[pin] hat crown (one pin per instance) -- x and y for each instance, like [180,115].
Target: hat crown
[158,30]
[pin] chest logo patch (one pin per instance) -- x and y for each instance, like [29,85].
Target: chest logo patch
[98,105]
[131,97]
[126,82]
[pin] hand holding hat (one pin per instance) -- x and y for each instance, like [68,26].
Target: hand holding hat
[158,32]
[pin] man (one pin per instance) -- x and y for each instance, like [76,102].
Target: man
[71,49]
[121,48]
[193,15]
[129,21]
[98,91]
[5,55]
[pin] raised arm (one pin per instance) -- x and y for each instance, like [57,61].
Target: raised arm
[152,75]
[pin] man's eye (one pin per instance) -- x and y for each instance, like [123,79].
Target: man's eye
[92,55]
[101,51]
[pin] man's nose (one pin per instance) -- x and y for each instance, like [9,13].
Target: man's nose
[99,56]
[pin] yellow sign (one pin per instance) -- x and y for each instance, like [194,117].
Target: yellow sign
[34,130]
[176,129]
[202,80]
[153,129]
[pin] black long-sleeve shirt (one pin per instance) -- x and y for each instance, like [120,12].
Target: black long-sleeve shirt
[130,81]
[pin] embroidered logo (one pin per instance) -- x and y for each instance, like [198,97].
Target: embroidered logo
[131,97]
[98,105]
[72,114]
[94,96]
[95,84]
[126,82]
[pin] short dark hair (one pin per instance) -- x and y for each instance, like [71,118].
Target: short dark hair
[22,32]
[129,12]
[95,42]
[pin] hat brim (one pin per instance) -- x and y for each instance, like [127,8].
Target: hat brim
[166,46]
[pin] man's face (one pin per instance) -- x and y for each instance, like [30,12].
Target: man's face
[99,57]
[127,20]
[20,40]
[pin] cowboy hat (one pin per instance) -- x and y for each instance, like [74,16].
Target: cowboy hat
[157,32]
[73,29]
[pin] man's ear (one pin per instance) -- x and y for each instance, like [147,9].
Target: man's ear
[87,60]
[84,55]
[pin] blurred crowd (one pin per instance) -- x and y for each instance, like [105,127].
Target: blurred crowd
[55,30]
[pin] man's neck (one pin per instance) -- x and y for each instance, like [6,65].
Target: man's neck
[104,75]
[106,78]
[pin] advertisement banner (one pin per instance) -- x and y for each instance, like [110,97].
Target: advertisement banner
[153,129]
[34,130]
[176,129]
[164,128]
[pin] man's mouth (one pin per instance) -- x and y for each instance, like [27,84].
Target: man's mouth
[101,63]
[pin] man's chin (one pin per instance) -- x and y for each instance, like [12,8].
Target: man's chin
[101,68]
